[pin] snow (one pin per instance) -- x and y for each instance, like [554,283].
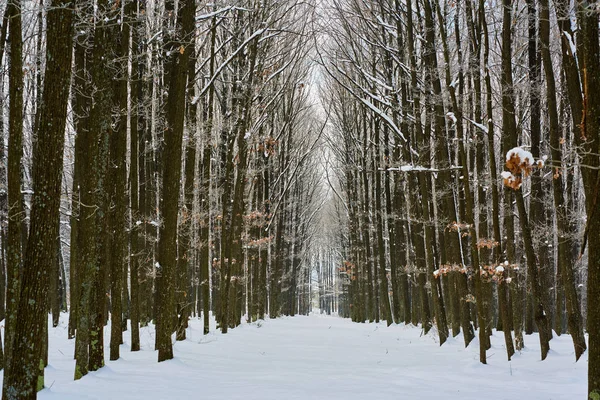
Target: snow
[524,155]
[482,127]
[506,175]
[454,83]
[452,117]
[510,179]
[571,43]
[409,168]
[318,357]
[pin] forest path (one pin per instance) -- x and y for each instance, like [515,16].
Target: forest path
[318,357]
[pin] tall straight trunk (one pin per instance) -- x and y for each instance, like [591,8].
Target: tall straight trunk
[565,265]
[80,106]
[22,380]
[4,195]
[186,253]
[89,341]
[136,164]
[536,208]
[234,261]
[102,54]
[147,184]
[15,153]
[416,212]
[205,191]
[399,183]
[502,287]
[229,137]
[118,172]
[508,142]
[438,117]
[451,255]
[589,136]
[391,230]
[169,203]
[383,280]
[371,276]
[466,212]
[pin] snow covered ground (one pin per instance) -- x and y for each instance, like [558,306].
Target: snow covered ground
[319,357]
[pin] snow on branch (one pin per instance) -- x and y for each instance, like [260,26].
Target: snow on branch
[361,99]
[479,126]
[418,168]
[220,11]
[231,57]
[520,163]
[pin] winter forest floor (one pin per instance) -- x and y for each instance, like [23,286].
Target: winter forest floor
[318,357]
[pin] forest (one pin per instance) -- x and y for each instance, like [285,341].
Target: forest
[426,163]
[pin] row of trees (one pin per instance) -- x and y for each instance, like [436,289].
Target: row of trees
[466,138]
[160,165]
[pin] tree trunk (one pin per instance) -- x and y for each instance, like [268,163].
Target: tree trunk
[15,153]
[589,137]
[169,204]
[21,380]
[565,265]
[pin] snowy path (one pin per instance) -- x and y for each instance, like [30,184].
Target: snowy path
[319,358]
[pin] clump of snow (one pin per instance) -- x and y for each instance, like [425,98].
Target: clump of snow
[410,168]
[520,163]
[524,155]
[451,117]
[506,175]
[510,180]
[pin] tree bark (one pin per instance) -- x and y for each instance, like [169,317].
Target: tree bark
[169,204]
[21,380]
[15,199]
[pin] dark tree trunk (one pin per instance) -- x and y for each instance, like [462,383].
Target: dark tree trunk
[80,105]
[118,188]
[169,204]
[589,137]
[15,153]
[89,346]
[21,380]
[565,265]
